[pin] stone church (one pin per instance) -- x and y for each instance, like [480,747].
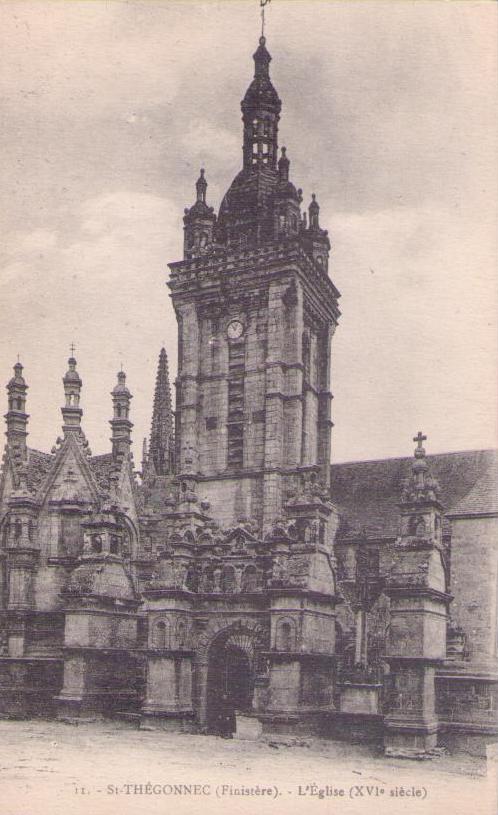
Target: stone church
[356,601]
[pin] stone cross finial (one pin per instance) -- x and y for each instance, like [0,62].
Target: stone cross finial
[419,438]
[72,348]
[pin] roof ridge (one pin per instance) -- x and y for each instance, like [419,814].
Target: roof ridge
[405,458]
[40,452]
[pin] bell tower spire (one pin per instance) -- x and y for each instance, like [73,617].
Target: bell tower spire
[261,113]
[161,445]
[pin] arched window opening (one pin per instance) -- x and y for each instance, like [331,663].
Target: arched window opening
[250,580]
[285,636]
[191,580]
[229,583]
[208,580]
[97,543]
[181,634]
[17,529]
[160,635]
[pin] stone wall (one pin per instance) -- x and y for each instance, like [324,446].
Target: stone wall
[474,583]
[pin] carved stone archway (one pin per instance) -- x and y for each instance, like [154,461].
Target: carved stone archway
[243,635]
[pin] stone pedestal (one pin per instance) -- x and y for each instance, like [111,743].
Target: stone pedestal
[101,663]
[300,692]
[248,728]
[97,683]
[417,645]
[416,585]
[412,723]
[168,701]
[27,687]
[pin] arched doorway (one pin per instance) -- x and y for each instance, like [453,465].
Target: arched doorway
[230,686]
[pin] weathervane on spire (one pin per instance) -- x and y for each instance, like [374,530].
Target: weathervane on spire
[262,4]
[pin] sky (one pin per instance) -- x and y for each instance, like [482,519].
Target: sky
[109,109]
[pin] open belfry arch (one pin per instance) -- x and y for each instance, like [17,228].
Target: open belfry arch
[350,600]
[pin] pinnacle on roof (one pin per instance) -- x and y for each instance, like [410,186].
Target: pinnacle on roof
[18,378]
[161,434]
[421,486]
[201,187]
[262,59]
[121,388]
[71,411]
[72,374]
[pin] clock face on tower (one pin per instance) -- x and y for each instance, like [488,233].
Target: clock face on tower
[235,329]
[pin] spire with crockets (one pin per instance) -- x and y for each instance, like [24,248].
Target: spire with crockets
[160,457]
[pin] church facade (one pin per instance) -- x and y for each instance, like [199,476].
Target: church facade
[241,576]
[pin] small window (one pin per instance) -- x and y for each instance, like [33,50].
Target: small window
[211,423]
[229,583]
[96,543]
[285,636]
[160,635]
[250,579]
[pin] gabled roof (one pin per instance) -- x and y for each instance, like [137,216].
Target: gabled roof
[367,493]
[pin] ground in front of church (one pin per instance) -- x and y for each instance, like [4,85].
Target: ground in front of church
[51,768]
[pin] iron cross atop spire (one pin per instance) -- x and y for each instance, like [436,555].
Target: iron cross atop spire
[262,4]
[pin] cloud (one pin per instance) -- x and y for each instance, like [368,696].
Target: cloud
[104,290]
[208,141]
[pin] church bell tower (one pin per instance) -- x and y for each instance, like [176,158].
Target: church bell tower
[256,312]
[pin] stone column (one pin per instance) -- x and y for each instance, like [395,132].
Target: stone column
[301,661]
[417,644]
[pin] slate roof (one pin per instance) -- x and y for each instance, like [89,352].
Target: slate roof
[38,466]
[366,493]
[483,497]
[101,467]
